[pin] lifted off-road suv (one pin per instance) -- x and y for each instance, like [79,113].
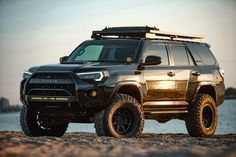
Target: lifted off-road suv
[122,77]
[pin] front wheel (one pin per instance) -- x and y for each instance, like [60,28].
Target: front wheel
[38,124]
[202,117]
[123,118]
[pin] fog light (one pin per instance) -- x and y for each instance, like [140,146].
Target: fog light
[93,93]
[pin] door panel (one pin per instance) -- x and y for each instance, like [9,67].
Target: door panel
[181,80]
[186,73]
[186,82]
[160,79]
[193,82]
[160,86]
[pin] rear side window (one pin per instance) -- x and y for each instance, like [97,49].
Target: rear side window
[205,54]
[180,55]
[157,49]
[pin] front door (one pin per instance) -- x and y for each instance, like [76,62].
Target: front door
[160,79]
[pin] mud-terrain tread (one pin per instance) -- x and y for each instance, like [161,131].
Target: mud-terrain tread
[193,119]
[30,128]
[24,124]
[101,125]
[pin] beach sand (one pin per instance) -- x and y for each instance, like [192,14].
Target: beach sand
[89,145]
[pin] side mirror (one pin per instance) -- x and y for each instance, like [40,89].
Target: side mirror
[152,60]
[63,59]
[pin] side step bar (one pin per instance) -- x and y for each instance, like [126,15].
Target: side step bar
[160,108]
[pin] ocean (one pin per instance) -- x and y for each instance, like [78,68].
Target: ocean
[226,122]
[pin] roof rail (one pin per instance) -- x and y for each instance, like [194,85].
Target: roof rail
[141,32]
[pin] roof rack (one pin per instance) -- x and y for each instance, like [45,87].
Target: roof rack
[141,32]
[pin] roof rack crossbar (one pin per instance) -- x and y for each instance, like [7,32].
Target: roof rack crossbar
[140,32]
[175,35]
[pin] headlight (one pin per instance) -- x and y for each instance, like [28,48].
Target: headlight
[27,74]
[96,76]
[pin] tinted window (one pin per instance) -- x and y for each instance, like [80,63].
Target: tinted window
[105,51]
[180,55]
[86,54]
[205,54]
[190,59]
[157,49]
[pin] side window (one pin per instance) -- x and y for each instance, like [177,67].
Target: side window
[157,49]
[205,54]
[190,59]
[179,55]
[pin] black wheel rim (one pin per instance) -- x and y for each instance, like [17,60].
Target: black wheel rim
[207,116]
[122,121]
[43,122]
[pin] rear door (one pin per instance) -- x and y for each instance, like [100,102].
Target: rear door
[186,72]
[160,80]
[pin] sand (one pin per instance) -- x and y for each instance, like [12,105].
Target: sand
[89,145]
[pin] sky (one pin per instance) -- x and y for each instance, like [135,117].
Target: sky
[37,32]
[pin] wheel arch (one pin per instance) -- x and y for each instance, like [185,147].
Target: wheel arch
[207,88]
[133,89]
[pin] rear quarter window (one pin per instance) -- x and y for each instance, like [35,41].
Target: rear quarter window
[205,54]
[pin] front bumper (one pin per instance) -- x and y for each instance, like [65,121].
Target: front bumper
[63,92]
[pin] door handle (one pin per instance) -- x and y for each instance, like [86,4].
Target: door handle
[171,73]
[196,73]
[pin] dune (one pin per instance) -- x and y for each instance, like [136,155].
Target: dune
[89,145]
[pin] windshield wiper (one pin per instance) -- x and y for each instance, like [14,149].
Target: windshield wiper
[96,61]
[74,62]
[83,62]
[105,61]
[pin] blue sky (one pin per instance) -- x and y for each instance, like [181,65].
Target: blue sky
[39,32]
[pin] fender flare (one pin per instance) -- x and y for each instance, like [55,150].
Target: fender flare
[125,83]
[201,84]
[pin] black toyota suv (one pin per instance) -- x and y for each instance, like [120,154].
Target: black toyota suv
[121,77]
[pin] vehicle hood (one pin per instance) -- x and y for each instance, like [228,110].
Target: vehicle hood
[89,66]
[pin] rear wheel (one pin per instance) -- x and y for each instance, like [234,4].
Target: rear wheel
[37,124]
[123,118]
[202,117]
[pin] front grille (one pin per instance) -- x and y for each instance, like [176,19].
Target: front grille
[49,92]
[51,89]
[51,76]
[68,87]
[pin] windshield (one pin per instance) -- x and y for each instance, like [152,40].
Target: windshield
[112,50]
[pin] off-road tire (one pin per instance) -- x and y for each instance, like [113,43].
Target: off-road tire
[99,123]
[104,125]
[30,126]
[195,119]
